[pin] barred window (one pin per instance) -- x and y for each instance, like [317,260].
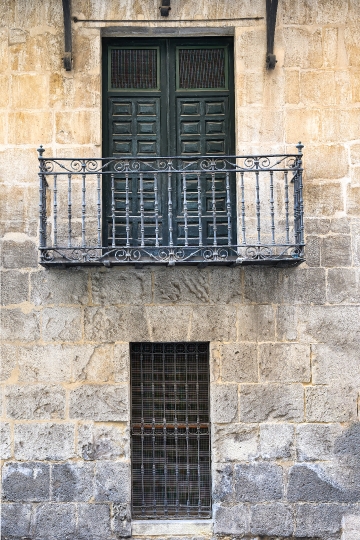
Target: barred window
[170,430]
[202,68]
[134,68]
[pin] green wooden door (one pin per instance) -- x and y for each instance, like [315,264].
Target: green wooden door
[168,97]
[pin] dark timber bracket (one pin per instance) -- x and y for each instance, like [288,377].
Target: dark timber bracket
[67,60]
[271,9]
[165,8]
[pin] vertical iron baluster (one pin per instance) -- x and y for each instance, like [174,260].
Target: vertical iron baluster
[287,228]
[296,208]
[142,226]
[113,208]
[185,212]
[55,211]
[69,211]
[213,204]
[272,213]
[228,206]
[199,209]
[153,432]
[42,202]
[198,432]
[165,433]
[142,435]
[156,209]
[301,200]
[83,207]
[258,227]
[243,226]
[127,209]
[99,208]
[176,441]
[187,435]
[170,208]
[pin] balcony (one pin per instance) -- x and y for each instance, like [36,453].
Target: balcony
[227,210]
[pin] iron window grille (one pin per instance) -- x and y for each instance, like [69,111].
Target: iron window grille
[170,431]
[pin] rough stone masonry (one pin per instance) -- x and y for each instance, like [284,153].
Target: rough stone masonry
[285,370]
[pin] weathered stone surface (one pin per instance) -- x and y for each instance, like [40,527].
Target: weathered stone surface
[225,285]
[284,362]
[55,521]
[50,363]
[44,441]
[15,520]
[61,324]
[286,323]
[236,442]
[72,482]
[315,442]
[96,364]
[350,527]
[94,521]
[9,359]
[35,401]
[328,162]
[266,402]
[256,323]
[239,362]
[103,441]
[274,518]
[343,285]
[318,519]
[231,520]
[121,521]
[347,447]
[336,251]
[69,127]
[306,39]
[19,254]
[121,286]
[181,285]
[329,324]
[5,440]
[116,324]
[112,482]
[101,403]
[26,482]
[257,483]
[224,403]
[215,323]
[223,488]
[311,483]
[59,287]
[331,403]
[277,441]
[19,326]
[168,323]
[14,287]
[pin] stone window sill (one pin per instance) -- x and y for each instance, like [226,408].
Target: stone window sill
[173,527]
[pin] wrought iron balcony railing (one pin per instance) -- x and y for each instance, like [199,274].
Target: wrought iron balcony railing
[172,210]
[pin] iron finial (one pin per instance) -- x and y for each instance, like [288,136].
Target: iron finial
[40,150]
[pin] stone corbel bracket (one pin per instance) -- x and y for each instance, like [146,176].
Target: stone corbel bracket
[271,10]
[67,59]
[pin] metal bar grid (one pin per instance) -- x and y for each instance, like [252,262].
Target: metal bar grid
[170,431]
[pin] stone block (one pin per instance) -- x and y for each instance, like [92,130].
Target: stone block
[355,236]
[14,287]
[331,403]
[29,482]
[181,286]
[97,364]
[100,403]
[271,402]
[15,520]
[313,244]
[18,210]
[72,482]
[35,402]
[9,359]
[302,124]
[55,521]
[225,285]
[224,403]
[318,520]
[239,362]
[112,482]
[121,286]
[26,93]
[61,324]
[277,441]
[5,440]
[353,201]
[223,480]
[352,39]
[286,323]
[233,520]
[121,521]
[292,86]
[336,362]
[350,527]
[343,285]
[103,441]
[347,449]
[69,127]
[30,127]
[118,324]
[46,441]
[236,442]
[336,251]
[315,442]
[47,363]
[259,482]
[326,162]
[317,226]
[272,519]
[168,323]
[323,199]
[318,87]
[19,326]
[284,362]
[59,287]
[94,521]
[122,362]
[329,324]
[4,91]
[303,47]
[213,323]
[355,153]
[256,323]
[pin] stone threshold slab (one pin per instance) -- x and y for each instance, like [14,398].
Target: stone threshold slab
[174,527]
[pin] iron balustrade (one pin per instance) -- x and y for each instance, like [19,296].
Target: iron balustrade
[172,210]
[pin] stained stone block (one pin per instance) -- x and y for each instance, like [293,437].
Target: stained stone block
[48,363]
[19,254]
[224,403]
[58,287]
[256,323]
[286,323]
[97,364]
[112,482]
[100,403]
[121,521]
[55,521]
[225,285]
[213,323]
[29,482]
[19,326]
[276,402]
[284,362]
[331,403]
[343,285]
[277,441]
[94,521]
[223,489]
[103,441]
[9,360]
[233,520]
[235,442]
[318,519]
[258,482]
[181,286]
[336,251]
[351,527]
[310,483]
[14,287]
[45,441]
[15,520]
[347,447]
[272,519]
[116,324]
[315,442]
[120,285]
[72,482]
[61,324]
[35,401]
[5,441]
[329,324]
[239,362]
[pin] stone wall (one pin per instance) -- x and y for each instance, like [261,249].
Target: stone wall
[285,371]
